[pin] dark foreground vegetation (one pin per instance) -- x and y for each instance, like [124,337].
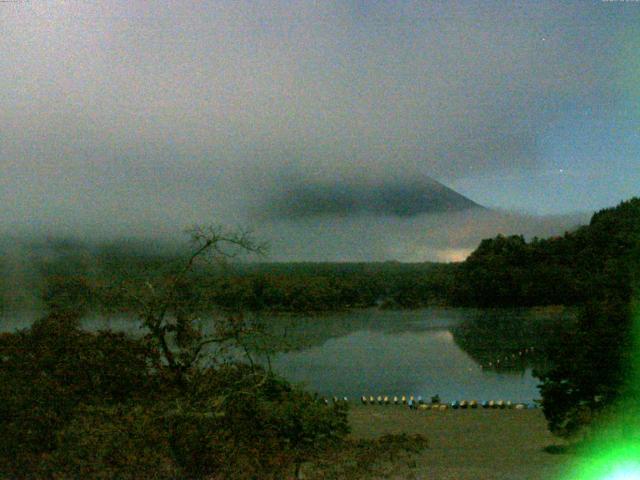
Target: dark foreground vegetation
[84,405]
[595,365]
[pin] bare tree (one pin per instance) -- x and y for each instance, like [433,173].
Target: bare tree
[173,323]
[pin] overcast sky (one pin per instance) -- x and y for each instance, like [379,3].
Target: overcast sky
[140,118]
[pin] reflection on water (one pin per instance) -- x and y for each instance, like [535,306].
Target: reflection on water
[372,352]
[512,340]
[395,353]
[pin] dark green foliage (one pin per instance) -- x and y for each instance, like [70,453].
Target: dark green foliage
[586,363]
[47,372]
[119,441]
[567,270]
[60,292]
[507,271]
[591,367]
[75,404]
[589,370]
[233,428]
[593,268]
[301,423]
[117,276]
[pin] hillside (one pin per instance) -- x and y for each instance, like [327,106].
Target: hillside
[509,271]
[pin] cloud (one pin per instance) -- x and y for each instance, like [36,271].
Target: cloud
[130,118]
[427,237]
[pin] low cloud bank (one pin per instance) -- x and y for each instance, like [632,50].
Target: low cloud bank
[445,237]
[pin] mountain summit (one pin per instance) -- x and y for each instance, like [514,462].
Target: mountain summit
[345,199]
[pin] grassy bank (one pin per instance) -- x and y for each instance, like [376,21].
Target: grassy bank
[468,444]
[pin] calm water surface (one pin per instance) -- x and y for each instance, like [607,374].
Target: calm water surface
[371,352]
[394,353]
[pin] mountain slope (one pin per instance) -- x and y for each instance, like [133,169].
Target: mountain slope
[345,199]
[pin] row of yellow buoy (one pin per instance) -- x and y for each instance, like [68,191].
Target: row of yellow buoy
[511,357]
[386,400]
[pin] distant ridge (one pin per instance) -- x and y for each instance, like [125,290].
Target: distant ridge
[344,199]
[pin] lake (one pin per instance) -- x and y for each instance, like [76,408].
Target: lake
[378,352]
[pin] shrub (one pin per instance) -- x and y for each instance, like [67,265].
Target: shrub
[127,442]
[48,371]
[75,404]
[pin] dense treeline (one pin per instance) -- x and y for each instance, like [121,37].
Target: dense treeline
[587,366]
[568,270]
[112,282]
[594,365]
[508,271]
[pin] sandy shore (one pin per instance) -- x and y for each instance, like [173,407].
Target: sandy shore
[469,444]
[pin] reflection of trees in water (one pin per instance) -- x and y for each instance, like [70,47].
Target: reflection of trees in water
[486,336]
[287,334]
[510,341]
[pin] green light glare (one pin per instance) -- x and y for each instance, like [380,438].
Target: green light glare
[614,451]
[629,471]
[614,463]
